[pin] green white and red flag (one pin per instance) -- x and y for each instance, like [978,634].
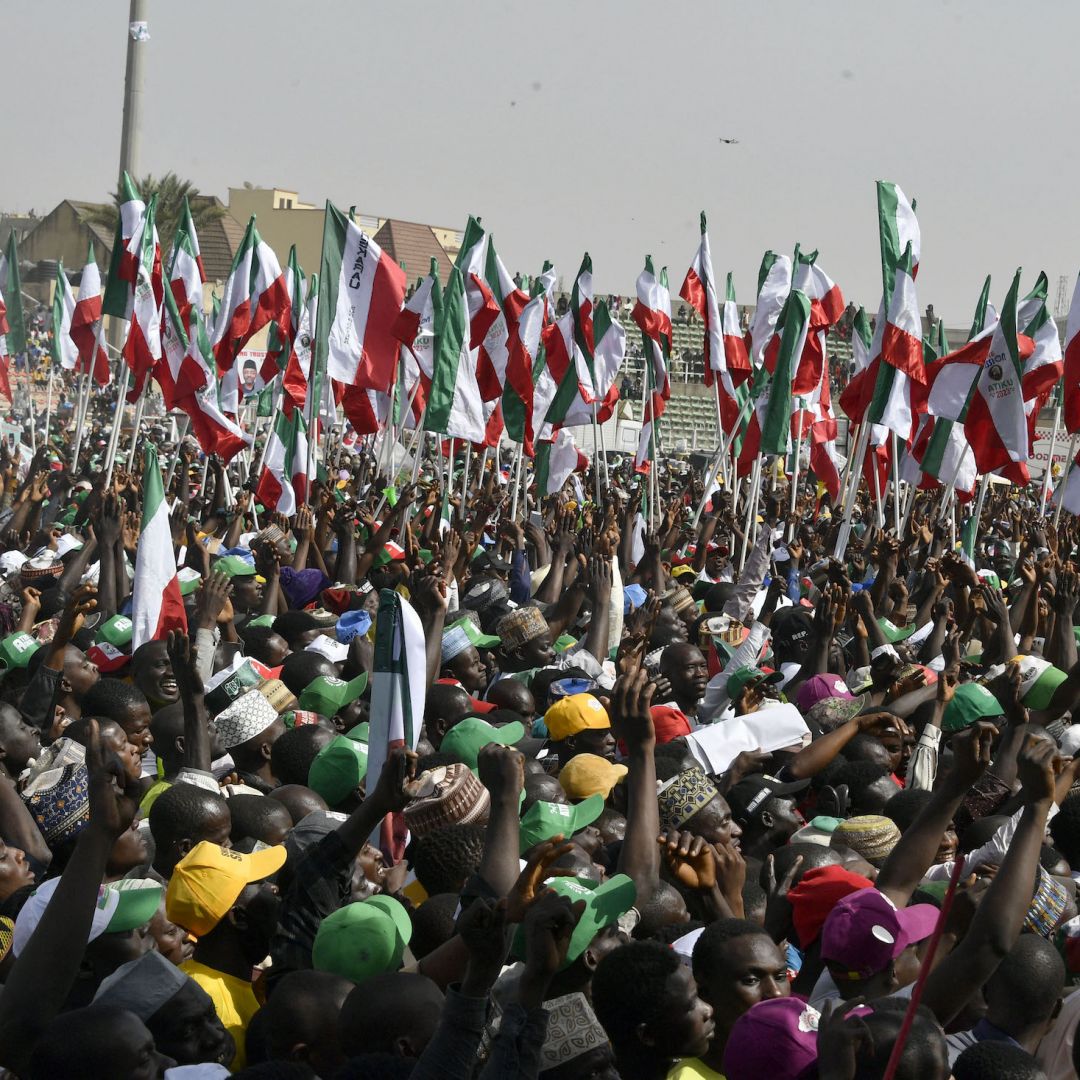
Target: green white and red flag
[855,397]
[282,483]
[87,330]
[279,347]
[496,349]
[142,349]
[556,460]
[65,353]
[482,309]
[1044,367]
[123,262]
[736,356]
[362,290]
[981,384]
[156,604]
[557,399]
[456,406]
[415,329]
[527,362]
[186,273]
[699,291]
[255,294]
[826,307]
[296,378]
[775,419]
[774,284]
[1070,412]
[5,356]
[652,313]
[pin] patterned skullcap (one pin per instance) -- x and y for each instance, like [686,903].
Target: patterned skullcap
[454,642]
[246,717]
[683,796]
[679,599]
[57,793]
[520,626]
[869,835]
[572,1030]
[1047,905]
[7,934]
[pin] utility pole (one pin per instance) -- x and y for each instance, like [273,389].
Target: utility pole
[131,132]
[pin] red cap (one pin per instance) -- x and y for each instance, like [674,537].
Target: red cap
[816,894]
[670,723]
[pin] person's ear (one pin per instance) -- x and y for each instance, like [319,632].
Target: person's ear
[645,1036]
[178,744]
[403,1047]
[264,750]
[182,847]
[238,917]
[767,819]
[65,685]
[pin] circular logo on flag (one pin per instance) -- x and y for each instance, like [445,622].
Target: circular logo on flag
[995,372]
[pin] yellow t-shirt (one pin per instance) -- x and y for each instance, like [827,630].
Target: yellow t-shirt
[234,1000]
[693,1069]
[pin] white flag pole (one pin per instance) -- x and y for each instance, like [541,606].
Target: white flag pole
[1065,479]
[1050,460]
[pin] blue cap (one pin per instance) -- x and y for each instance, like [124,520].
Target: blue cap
[352,624]
[634,596]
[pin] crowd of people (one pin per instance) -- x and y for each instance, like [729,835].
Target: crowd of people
[682,802]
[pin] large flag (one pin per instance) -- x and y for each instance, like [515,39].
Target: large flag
[455,407]
[87,329]
[142,350]
[156,604]
[860,388]
[1044,367]
[11,292]
[362,290]
[826,307]
[415,329]
[982,385]
[699,291]
[123,263]
[398,694]
[482,307]
[294,382]
[497,348]
[527,360]
[776,419]
[255,294]
[897,228]
[186,273]
[65,353]
[652,313]
[736,356]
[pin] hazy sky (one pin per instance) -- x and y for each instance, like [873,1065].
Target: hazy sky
[593,124]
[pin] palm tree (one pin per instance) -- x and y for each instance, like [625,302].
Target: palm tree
[171,192]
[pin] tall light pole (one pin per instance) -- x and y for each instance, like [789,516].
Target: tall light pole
[131,133]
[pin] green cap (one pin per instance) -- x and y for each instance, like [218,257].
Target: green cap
[261,620]
[363,939]
[564,642]
[742,677]
[970,702]
[233,566]
[604,904]
[116,631]
[138,901]
[543,820]
[189,580]
[468,737]
[477,638]
[16,649]
[338,769]
[894,633]
[328,696]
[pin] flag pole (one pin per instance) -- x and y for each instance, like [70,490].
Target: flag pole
[726,444]
[515,473]
[135,429]
[181,436]
[751,507]
[795,480]
[896,481]
[1065,479]
[1050,460]
[80,419]
[465,478]
[48,408]
[118,420]
[877,497]
[596,456]
[854,468]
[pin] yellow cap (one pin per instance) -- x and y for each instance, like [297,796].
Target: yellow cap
[208,880]
[577,712]
[588,774]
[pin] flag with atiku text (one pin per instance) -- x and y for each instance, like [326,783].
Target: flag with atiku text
[482,309]
[776,422]
[142,349]
[87,330]
[294,382]
[556,460]
[122,263]
[398,695]
[699,291]
[275,488]
[65,353]
[186,273]
[1071,379]
[774,284]
[255,294]
[362,290]
[455,407]
[156,604]
[981,384]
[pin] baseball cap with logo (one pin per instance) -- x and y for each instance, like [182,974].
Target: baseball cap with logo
[328,696]
[544,820]
[362,939]
[189,579]
[209,879]
[233,566]
[792,625]
[106,658]
[865,932]
[971,702]
[574,714]
[818,688]
[775,1037]
[894,633]
[232,682]
[469,736]
[747,798]
[477,638]
[16,650]
[120,906]
[589,774]
[116,631]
